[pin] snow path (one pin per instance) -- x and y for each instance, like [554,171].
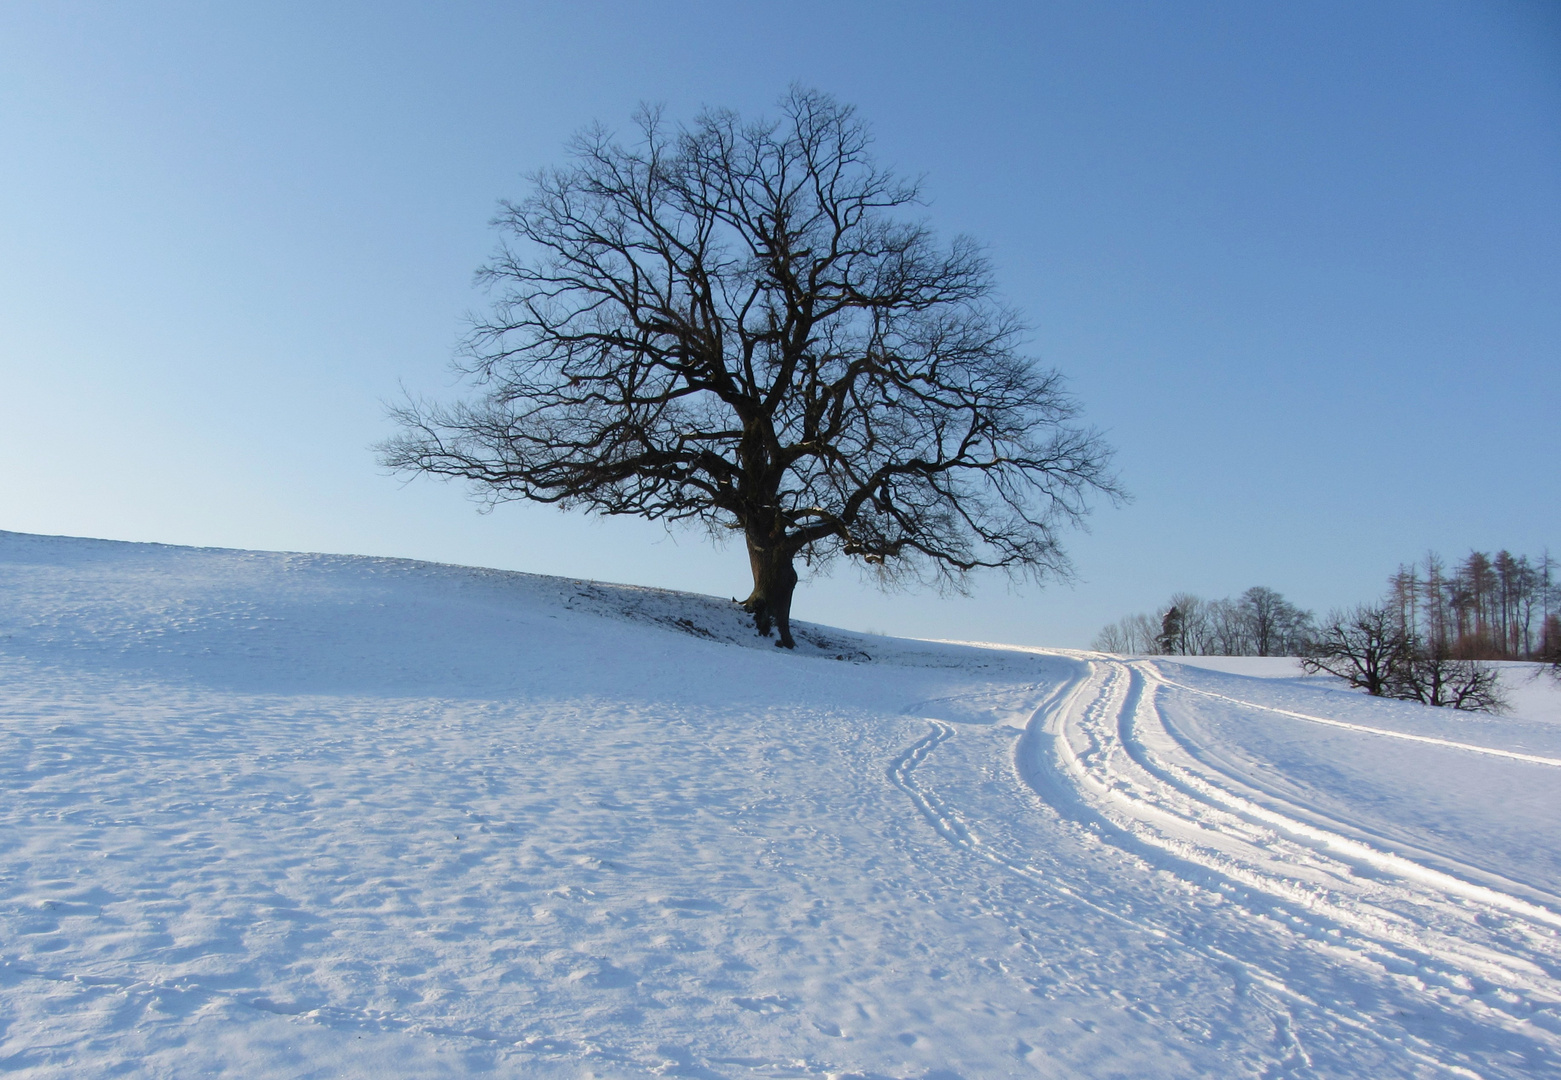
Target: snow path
[272,815]
[1066,777]
[1427,739]
[1127,760]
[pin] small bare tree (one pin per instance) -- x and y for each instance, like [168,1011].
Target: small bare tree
[1129,634]
[1229,629]
[1366,647]
[1433,677]
[1371,648]
[1115,638]
[727,323]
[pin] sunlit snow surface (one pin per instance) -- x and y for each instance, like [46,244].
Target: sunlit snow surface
[270,815]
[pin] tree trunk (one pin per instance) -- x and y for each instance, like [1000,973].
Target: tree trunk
[774,580]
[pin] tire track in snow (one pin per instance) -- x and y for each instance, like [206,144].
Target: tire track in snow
[1382,939]
[944,820]
[1325,833]
[1323,841]
[1042,761]
[1472,748]
[1205,832]
[947,823]
[1082,781]
[1265,989]
[952,826]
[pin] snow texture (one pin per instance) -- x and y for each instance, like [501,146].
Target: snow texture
[281,815]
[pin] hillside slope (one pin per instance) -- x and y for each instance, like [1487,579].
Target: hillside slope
[279,815]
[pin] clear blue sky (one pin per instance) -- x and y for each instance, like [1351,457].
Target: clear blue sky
[1302,261]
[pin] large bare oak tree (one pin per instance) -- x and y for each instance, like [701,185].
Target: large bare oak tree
[729,323]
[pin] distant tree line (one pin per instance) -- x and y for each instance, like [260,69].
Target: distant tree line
[1505,607]
[1430,639]
[1259,622]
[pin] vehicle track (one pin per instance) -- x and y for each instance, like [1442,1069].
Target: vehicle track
[1101,752]
[1245,793]
[1127,763]
[1472,748]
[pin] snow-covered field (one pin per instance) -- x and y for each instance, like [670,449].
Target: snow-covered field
[273,815]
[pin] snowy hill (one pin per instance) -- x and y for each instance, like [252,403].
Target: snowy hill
[278,815]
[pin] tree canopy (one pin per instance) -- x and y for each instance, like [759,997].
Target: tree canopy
[733,323]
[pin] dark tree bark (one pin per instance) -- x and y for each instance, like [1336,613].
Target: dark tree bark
[774,581]
[727,324]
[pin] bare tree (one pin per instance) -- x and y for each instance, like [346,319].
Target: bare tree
[1113,638]
[1130,634]
[1366,647]
[1276,626]
[728,323]
[1437,591]
[1228,629]
[1434,677]
[1192,625]
[1488,608]
[1371,648]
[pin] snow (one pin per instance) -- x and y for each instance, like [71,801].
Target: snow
[283,815]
